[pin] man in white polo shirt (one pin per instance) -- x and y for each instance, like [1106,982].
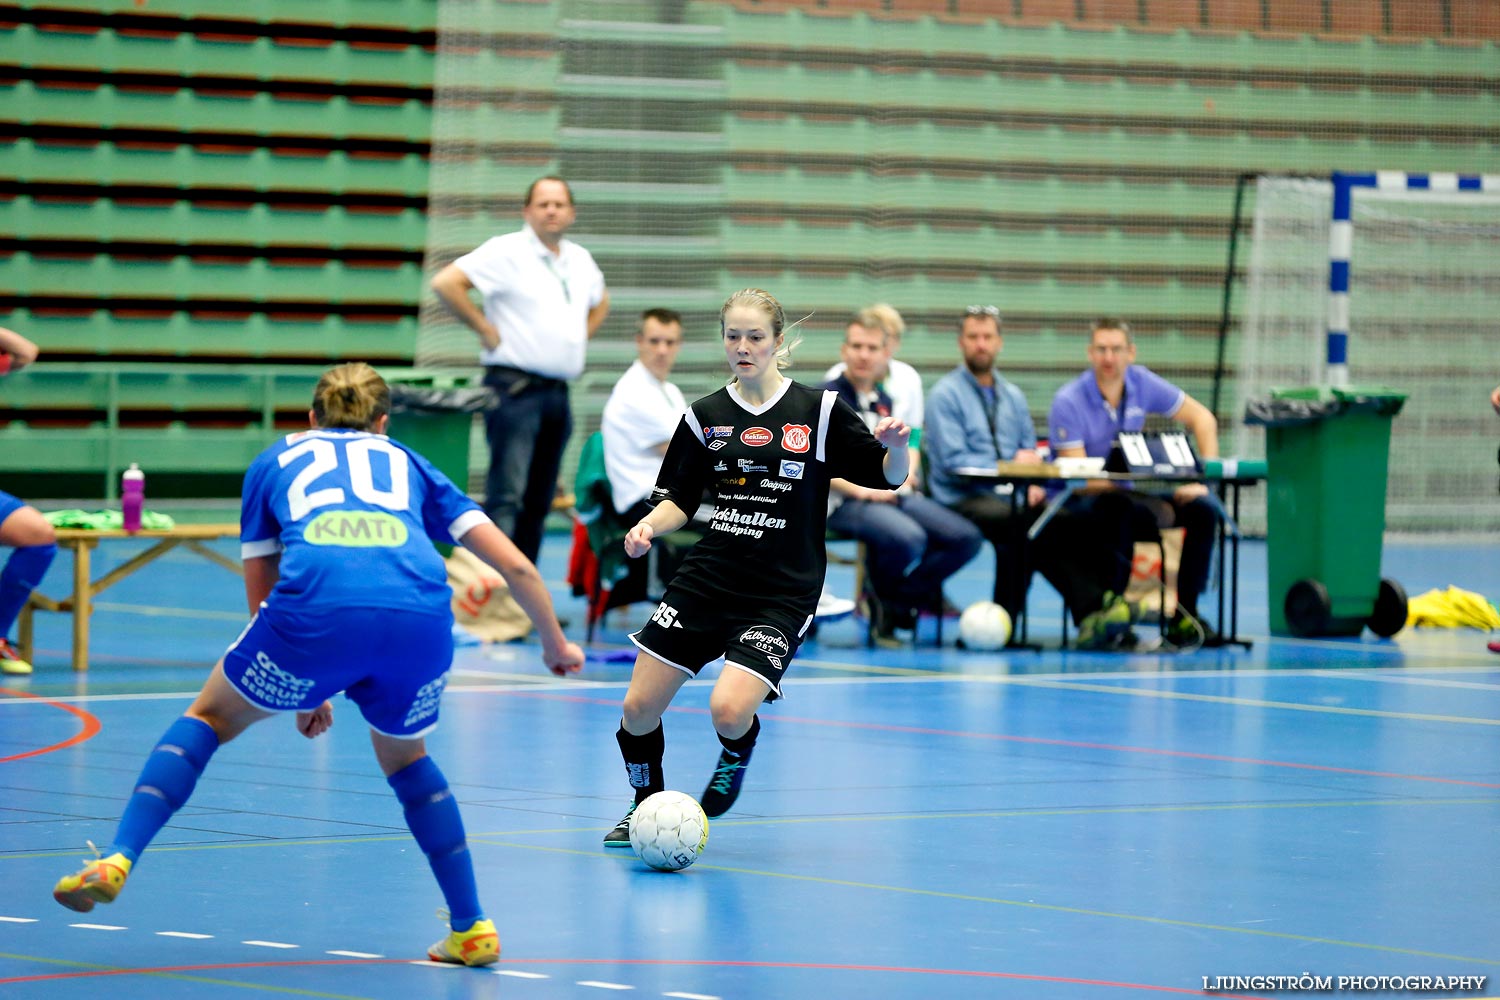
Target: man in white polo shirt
[640,417]
[544,298]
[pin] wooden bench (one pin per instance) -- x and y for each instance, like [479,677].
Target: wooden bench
[82,542]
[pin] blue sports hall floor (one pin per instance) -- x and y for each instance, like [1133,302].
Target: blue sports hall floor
[917,823]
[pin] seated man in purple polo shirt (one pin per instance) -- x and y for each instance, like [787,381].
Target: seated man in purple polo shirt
[1087,415]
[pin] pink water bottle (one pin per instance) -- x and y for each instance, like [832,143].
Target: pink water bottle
[132,497]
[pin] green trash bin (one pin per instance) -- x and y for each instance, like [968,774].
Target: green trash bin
[432,413]
[1327,456]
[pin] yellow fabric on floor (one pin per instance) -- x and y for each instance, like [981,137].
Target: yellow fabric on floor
[1452,608]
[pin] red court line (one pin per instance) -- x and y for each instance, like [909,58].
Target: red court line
[1042,741]
[683,962]
[91,725]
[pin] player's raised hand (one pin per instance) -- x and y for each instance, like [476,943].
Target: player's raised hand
[892,432]
[638,540]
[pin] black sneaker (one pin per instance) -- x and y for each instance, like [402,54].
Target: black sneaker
[724,787]
[1186,633]
[620,835]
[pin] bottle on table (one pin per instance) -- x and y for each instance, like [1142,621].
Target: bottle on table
[132,497]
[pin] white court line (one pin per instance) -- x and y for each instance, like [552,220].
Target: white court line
[692,996]
[270,944]
[547,685]
[1407,678]
[354,954]
[184,934]
[435,965]
[596,984]
[99,927]
[518,974]
[18,920]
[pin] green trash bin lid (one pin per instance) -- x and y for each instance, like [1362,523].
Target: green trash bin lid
[1382,399]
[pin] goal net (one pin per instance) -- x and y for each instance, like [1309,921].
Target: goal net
[1423,317]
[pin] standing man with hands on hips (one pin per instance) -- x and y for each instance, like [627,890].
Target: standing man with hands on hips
[544,298]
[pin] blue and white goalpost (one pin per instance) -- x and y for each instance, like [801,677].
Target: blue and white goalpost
[1341,243]
[1385,278]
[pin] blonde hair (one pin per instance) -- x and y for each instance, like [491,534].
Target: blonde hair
[882,316]
[351,395]
[759,298]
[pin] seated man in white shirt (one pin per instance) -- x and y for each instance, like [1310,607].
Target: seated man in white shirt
[640,417]
[900,380]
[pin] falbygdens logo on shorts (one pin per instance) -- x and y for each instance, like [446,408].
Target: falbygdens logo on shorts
[767,639]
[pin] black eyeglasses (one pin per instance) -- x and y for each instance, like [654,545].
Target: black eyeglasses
[982,311]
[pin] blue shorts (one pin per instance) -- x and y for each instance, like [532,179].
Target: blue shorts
[392,664]
[9,505]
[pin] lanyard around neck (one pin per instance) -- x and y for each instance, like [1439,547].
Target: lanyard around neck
[991,413]
[547,260]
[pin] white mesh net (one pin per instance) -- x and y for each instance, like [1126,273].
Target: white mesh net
[1424,298]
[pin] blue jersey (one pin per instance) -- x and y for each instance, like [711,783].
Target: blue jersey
[351,514]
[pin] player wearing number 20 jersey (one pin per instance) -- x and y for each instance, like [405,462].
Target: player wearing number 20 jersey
[361,604]
[352,513]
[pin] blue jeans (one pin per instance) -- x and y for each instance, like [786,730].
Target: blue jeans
[912,545]
[527,434]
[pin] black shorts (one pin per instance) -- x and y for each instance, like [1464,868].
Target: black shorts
[687,631]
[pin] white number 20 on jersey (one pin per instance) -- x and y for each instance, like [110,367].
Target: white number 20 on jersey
[325,459]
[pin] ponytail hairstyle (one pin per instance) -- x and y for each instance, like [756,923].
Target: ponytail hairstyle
[759,298]
[351,396]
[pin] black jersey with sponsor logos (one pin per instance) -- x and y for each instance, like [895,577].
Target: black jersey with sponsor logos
[767,468]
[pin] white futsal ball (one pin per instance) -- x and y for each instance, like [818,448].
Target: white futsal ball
[668,830]
[984,625]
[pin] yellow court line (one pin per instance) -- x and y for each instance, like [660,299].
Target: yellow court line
[1291,706]
[383,838]
[1026,904]
[181,977]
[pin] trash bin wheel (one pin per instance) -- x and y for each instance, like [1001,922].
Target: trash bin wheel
[1308,608]
[1389,616]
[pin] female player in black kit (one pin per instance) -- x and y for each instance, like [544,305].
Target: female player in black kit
[767,447]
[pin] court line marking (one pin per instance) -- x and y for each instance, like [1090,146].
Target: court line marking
[866,818]
[173,972]
[91,724]
[1217,699]
[1031,905]
[86,970]
[1387,678]
[1045,741]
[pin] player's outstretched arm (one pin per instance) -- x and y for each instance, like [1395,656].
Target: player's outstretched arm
[490,544]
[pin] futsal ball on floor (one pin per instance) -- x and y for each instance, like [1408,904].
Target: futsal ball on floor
[668,831]
[984,625]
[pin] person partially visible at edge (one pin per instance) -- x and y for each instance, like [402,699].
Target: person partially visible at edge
[23,530]
[1494,646]
[767,447]
[544,299]
[346,593]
